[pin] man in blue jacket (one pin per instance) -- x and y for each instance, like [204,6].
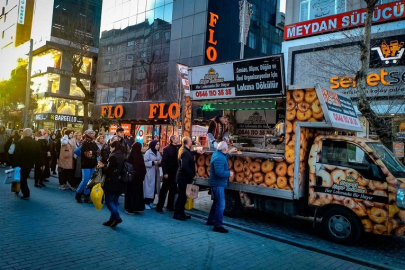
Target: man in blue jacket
[219,177]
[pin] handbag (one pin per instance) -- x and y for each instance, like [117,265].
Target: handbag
[96,178]
[192,191]
[8,177]
[11,149]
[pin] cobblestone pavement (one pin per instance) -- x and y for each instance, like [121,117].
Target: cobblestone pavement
[51,231]
[384,251]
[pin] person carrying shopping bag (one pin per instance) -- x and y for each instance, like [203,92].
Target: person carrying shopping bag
[113,186]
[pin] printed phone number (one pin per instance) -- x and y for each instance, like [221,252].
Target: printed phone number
[214,93]
[253,132]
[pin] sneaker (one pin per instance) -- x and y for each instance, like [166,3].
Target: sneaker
[70,187]
[220,229]
[62,187]
[152,205]
[147,207]
[129,213]
[108,223]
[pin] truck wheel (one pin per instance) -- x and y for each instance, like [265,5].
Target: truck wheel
[341,226]
[233,206]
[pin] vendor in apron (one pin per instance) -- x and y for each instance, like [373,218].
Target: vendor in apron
[218,131]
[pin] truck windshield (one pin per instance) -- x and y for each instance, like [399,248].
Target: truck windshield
[388,158]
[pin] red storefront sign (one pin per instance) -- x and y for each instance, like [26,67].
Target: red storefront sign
[347,20]
[126,127]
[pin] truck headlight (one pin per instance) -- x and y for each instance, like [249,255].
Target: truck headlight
[401,198]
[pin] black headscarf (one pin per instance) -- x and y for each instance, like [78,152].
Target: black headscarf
[137,161]
[152,146]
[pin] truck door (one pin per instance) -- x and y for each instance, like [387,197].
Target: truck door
[346,175]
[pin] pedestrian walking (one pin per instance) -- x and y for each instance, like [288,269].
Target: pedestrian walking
[126,146]
[113,186]
[42,150]
[54,153]
[3,141]
[169,167]
[78,139]
[134,200]
[25,155]
[10,153]
[66,161]
[218,181]
[47,170]
[151,185]
[185,175]
[100,141]
[88,157]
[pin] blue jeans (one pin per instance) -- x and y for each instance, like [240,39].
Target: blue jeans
[218,206]
[111,201]
[86,175]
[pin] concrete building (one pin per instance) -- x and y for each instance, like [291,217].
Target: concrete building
[321,46]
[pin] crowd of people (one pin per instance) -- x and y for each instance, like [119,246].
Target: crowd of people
[156,175]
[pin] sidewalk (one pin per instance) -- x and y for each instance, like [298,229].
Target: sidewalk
[52,231]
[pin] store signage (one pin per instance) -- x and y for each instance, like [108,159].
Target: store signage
[112,111]
[58,118]
[339,108]
[21,11]
[126,127]
[211,51]
[386,82]
[164,111]
[388,52]
[183,74]
[64,72]
[398,149]
[248,78]
[347,20]
[140,135]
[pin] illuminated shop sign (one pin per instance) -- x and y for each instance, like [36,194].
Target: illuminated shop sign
[112,111]
[58,118]
[211,51]
[347,20]
[164,111]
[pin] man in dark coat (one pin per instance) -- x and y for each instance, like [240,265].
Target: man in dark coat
[25,155]
[169,166]
[185,175]
[125,143]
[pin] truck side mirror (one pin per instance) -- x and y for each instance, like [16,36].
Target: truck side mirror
[374,172]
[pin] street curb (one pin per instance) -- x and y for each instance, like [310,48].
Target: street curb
[335,254]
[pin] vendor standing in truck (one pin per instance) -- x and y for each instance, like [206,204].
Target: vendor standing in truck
[218,131]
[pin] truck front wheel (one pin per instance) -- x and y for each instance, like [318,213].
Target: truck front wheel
[341,226]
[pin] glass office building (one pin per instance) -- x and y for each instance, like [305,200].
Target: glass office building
[142,41]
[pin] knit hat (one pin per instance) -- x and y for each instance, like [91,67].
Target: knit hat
[27,132]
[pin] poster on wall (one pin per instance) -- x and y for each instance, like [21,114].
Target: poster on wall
[126,127]
[140,135]
[248,78]
[339,108]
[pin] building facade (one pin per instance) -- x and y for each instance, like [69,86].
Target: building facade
[55,29]
[142,42]
[321,45]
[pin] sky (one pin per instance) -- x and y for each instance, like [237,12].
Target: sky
[282,5]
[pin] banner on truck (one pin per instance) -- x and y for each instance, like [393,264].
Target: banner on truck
[339,109]
[247,78]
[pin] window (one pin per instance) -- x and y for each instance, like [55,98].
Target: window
[109,48]
[254,14]
[252,40]
[130,57]
[266,19]
[157,35]
[167,36]
[130,43]
[143,54]
[264,45]
[313,9]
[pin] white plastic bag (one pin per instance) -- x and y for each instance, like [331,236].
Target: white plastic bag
[9,176]
[11,149]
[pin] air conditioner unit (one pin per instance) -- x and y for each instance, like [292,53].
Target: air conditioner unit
[280,20]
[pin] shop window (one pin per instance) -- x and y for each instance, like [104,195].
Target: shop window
[45,83]
[313,9]
[264,45]
[49,58]
[59,106]
[87,65]
[75,91]
[252,40]
[130,43]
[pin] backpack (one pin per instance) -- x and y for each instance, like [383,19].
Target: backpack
[127,173]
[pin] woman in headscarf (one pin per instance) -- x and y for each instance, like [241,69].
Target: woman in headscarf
[134,201]
[65,162]
[151,185]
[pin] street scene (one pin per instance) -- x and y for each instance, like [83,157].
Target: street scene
[202,134]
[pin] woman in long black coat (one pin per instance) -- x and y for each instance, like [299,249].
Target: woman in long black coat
[113,186]
[134,196]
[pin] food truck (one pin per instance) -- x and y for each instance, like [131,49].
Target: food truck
[297,151]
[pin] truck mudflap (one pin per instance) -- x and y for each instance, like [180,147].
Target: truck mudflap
[374,202]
